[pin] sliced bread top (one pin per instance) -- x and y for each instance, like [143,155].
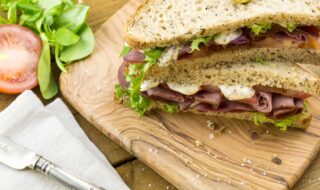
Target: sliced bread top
[162,23]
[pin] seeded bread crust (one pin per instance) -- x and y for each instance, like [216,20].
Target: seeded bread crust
[303,123]
[271,74]
[159,23]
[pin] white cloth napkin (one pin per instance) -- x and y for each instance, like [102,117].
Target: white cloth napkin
[52,132]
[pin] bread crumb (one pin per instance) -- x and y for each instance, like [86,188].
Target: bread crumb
[210,124]
[198,143]
[276,160]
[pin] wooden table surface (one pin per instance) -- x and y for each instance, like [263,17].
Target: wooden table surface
[136,174]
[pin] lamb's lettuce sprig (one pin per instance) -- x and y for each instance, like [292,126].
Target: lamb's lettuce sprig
[62,26]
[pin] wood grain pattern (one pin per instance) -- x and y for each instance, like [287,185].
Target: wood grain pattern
[136,175]
[140,177]
[102,9]
[177,146]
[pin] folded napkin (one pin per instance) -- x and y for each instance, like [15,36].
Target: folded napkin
[52,132]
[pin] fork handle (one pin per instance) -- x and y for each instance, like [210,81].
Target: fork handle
[65,177]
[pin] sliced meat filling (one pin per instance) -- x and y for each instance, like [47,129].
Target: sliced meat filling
[284,106]
[277,37]
[165,94]
[264,102]
[273,104]
[211,98]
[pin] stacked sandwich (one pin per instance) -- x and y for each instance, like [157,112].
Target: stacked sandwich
[244,61]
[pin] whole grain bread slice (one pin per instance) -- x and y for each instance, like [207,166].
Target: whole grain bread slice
[245,54]
[284,75]
[162,23]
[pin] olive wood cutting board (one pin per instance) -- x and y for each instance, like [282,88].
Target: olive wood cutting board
[190,151]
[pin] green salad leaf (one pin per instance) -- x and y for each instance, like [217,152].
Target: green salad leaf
[125,51]
[66,37]
[282,124]
[171,108]
[3,20]
[83,48]
[291,27]
[73,17]
[135,77]
[119,92]
[258,29]
[48,86]
[141,104]
[195,45]
[62,26]
[261,61]
[152,55]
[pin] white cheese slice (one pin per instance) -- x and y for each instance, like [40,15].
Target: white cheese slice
[225,38]
[169,56]
[148,84]
[234,93]
[186,89]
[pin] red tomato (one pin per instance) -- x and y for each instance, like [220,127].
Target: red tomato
[20,51]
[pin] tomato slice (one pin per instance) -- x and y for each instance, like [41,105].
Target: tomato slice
[20,51]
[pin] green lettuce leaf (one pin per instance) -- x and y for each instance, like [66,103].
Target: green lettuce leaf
[135,77]
[282,124]
[140,103]
[152,55]
[125,51]
[195,45]
[119,92]
[171,108]
[261,61]
[291,27]
[258,29]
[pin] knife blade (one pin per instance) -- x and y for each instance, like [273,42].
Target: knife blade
[16,156]
[19,158]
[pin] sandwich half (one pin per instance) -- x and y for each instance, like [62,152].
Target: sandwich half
[269,30]
[272,92]
[223,59]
